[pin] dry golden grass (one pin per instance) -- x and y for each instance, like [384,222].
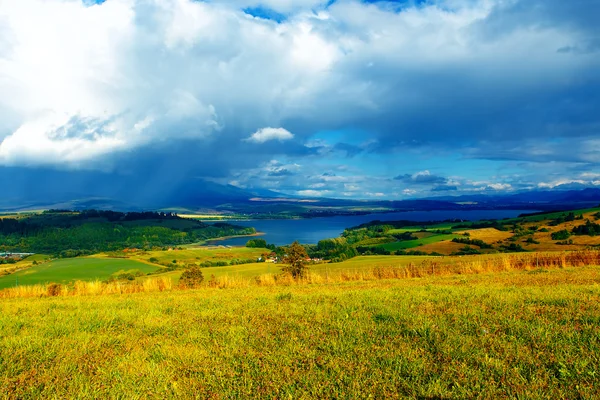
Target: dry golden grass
[91,288]
[426,266]
[421,235]
[489,235]
[445,247]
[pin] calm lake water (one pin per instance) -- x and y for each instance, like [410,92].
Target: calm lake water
[310,231]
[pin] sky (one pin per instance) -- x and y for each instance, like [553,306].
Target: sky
[344,98]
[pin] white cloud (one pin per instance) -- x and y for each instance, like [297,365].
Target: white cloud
[78,83]
[266,134]
[560,182]
[500,186]
[313,193]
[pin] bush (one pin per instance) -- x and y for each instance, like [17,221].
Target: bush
[466,251]
[476,242]
[191,278]
[512,248]
[54,289]
[560,235]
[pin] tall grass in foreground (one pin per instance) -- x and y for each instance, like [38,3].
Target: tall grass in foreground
[442,266]
[86,288]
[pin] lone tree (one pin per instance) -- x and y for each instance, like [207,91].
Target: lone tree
[192,278]
[296,258]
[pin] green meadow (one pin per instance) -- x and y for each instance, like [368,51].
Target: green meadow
[72,269]
[520,334]
[410,244]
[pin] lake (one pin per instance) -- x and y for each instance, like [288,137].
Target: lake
[310,231]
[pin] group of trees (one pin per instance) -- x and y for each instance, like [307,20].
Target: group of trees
[565,218]
[589,228]
[476,242]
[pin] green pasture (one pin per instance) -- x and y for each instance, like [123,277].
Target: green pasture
[409,244]
[191,255]
[72,269]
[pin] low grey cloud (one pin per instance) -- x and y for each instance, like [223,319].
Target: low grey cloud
[444,188]
[422,178]
[280,172]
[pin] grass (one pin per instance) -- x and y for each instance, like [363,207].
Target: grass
[354,265]
[409,244]
[191,255]
[503,335]
[489,235]
[68,270]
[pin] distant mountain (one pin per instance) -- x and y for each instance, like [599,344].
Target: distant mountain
[28,188]
[534,197]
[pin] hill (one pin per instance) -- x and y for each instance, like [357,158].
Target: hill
[554,231]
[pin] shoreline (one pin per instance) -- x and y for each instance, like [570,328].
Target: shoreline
[214,242]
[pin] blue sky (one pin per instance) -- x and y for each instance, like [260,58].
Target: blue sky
[350,99]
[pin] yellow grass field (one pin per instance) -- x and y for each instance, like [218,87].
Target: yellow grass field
[444,247]
[489,235]
[515,334]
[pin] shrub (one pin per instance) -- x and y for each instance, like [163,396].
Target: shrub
[560,235]
[476,242]
[191,278]
[466,251]
[54,289]
[565,242]
[512,248]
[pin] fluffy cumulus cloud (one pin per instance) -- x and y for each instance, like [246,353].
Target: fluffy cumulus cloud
[370,90]
[266,134]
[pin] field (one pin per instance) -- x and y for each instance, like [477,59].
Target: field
[520,334]
[489,235]
[354,265]
[411,244]
[68,270]
[529,233]
[191,255]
